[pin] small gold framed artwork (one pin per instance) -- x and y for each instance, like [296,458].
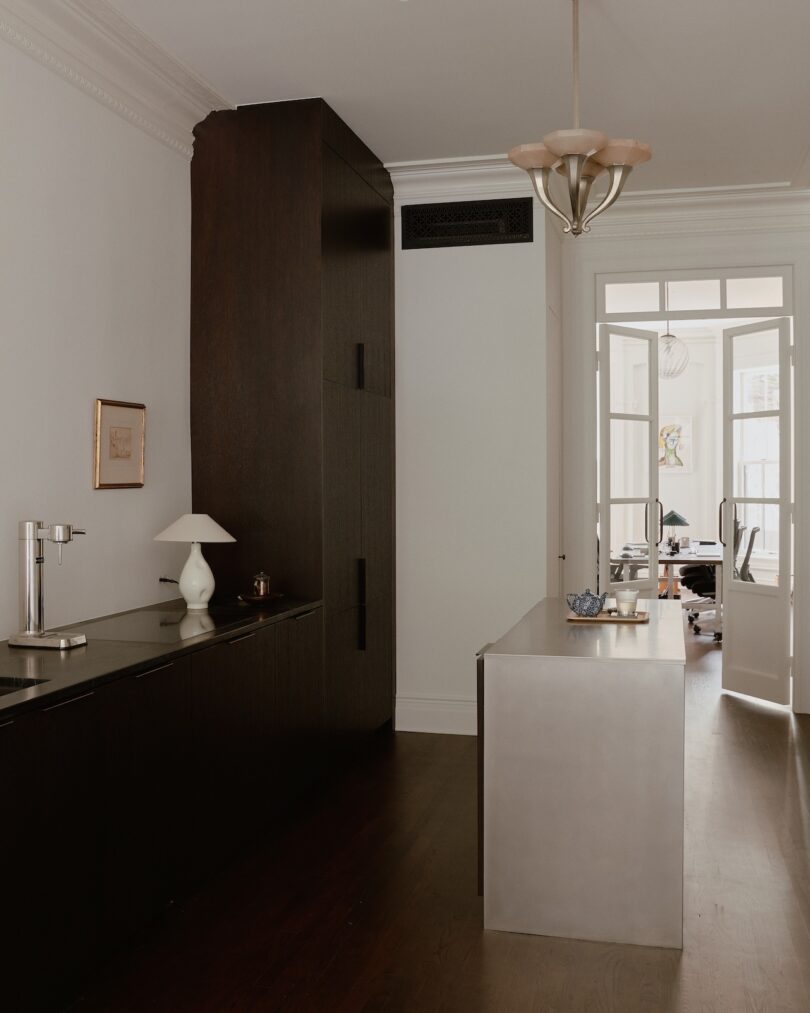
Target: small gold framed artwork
[119,445]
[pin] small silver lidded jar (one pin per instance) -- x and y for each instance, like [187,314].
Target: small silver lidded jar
[261,585]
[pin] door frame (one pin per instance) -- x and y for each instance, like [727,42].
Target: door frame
[677,235]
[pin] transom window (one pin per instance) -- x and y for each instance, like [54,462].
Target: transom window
[681,295]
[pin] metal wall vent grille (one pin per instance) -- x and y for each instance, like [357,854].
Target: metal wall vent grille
[467,223]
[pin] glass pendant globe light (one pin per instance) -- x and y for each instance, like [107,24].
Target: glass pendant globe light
[673,356]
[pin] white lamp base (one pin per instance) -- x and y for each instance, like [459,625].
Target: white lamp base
[196,580]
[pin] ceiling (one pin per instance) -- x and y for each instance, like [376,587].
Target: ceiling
[719,89]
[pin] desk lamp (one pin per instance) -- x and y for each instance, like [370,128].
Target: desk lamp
[196,580]
[674,520]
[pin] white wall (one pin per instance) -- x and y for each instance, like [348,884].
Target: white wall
[471,465]
[554,411]
[94,270]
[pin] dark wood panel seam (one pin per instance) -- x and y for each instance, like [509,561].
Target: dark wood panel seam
[360,175]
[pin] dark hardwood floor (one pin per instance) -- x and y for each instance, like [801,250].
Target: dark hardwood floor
[370,906]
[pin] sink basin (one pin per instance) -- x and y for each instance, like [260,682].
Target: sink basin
[12,685]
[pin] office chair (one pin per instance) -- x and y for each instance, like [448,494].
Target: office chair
[707,589]
[700,573]
[701,580]
[745,570]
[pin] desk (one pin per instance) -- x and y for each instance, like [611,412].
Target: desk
[713,556]
[684,557]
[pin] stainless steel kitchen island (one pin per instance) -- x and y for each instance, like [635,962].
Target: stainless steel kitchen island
[583,760]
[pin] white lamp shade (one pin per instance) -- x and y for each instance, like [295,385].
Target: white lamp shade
[194,528]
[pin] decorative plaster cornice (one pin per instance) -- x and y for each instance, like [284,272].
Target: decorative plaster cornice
[96,49]
[458,178]
[764,208]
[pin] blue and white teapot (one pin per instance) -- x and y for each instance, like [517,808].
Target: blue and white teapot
[587,603]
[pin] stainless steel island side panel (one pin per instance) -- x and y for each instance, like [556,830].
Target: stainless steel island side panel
[583,778]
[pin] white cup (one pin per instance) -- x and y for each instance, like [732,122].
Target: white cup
[626,602]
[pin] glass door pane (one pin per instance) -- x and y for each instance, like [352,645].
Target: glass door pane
[628,471]
[757,486]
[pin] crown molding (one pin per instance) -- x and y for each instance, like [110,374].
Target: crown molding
[458,178]
[97,50]
[709,210]
[765,209]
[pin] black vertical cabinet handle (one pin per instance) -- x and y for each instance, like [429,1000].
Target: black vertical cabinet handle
[361,366]
[361,602]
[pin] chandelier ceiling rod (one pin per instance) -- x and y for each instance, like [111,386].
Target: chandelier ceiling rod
[581,156]
[576,63]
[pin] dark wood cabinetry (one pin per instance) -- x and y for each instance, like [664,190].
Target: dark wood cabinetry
[357,692]
[118,800]
[231,706]
[292,360]
[66,838]
[342,506]
[61,848]
[356,281]
[146,738]
[378,495]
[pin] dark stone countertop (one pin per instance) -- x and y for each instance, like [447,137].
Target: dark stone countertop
[126,643]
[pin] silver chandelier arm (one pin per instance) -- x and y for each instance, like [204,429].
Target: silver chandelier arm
[573,173]
[540,178]
[618,177]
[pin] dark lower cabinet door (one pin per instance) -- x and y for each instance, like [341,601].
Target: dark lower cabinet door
[342,496]
[19,958]
[379,667]
[298,739]
[229,707]
[359,669]
[63,853]
[145,729]
[260,776]
[344,666]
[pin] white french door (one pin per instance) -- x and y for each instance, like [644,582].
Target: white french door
[757,486]
[629,510]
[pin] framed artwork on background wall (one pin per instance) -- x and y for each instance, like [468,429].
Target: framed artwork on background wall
[118,456]
[675,444]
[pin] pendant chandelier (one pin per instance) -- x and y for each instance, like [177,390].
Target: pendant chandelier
[580,156]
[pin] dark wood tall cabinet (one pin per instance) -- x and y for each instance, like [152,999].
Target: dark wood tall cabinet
[292,420]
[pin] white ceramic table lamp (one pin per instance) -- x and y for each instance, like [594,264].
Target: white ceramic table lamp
[196,580]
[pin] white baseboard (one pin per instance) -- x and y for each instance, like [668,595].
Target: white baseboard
[437,715]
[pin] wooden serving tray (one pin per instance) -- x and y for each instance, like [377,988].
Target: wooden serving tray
[611,617]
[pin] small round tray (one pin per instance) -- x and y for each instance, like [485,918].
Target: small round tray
[260,599]
[610,617]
